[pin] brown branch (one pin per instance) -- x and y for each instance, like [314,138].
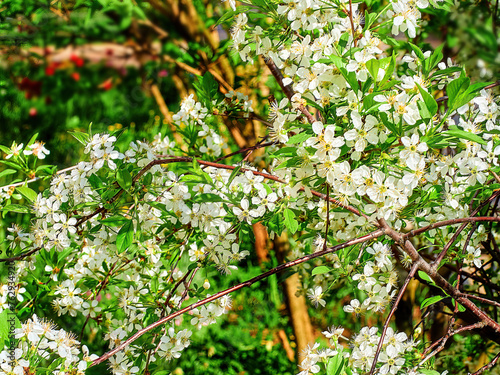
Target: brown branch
[444,223]
[441,256]
[247,149]
[445,338]
[187,159]
[440,281]
[21,256]
[410,276]
[287,89]
[375,234]
[230,167]
[481,299]
[493,361]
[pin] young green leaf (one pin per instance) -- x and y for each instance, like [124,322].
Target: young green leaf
[115,221]
[290,221]
[125,236]
[425,277]
[430,301]
[335,365]
[124,179]
[28,193]
[83,138]
[320,270]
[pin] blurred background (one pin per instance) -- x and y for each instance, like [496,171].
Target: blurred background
[126,65]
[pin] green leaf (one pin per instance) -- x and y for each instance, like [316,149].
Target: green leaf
[320,270]
[233,175]
[446,71]
[8,322]
[389,70]
[428,372]
[425,277]
[154,284]
[298,138]
[11,164]
[460,307]
[370,18]
[455,88]
[7,172]
[32,140]
[285,152]
[124,179]
[28,193]
[417,51]
[276,224]
[430,301]
[454,131]
[115,221]
[389,125]
[335,365]
[290,221]
[373,66]
[207,197]
[125,236]
[435,58]
[81,137]
[429,101]
[16,208]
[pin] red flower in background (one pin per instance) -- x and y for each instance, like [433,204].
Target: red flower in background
[51,68]
[107,84]
[75,76]
[78,61]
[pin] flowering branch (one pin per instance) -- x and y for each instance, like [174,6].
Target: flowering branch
[287,89]
[410,276]
[375,234]
[422,265]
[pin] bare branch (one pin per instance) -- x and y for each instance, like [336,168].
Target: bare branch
[493,361]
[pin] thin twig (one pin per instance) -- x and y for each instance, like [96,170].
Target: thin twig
[287,89]
[375,234]
[391,313]
[481,299]
[182,159]
[38,178]
[493,361]
[440,281]
[445,338]
[327,215]
[445,223]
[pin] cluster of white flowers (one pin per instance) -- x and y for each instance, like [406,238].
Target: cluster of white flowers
[381,291]
[363,347]
[191,110]
[391,357]
[40,338]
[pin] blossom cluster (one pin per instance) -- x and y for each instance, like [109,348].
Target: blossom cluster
[39,338]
